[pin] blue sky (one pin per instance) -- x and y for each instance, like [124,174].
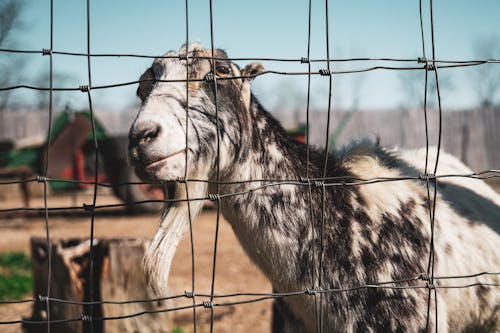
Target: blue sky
[385,28]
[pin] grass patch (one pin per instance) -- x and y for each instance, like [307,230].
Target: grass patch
[15,275]
[177,330]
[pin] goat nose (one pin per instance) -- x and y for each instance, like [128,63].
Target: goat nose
[144,133]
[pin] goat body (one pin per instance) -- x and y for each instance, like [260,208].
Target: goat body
[318,234]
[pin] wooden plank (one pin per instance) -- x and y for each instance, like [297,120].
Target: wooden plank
[123,279]
[118,276]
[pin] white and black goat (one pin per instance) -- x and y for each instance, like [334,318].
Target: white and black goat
[371,233]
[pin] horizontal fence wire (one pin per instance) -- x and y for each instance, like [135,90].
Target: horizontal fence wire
[211,300]
[186,294]
[254,296]
[318,182]
[321,72]
[298,60]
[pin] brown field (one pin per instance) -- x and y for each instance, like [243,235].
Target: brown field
[235,272]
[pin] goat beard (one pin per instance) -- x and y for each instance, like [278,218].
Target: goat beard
[174,224]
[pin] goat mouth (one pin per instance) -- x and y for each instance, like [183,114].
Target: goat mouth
[157,171]
[161,162]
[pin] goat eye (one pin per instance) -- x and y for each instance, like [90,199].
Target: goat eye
[222,70]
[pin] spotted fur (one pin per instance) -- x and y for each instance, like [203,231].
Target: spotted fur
[370,233]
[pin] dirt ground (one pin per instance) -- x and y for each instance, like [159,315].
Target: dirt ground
[235,272]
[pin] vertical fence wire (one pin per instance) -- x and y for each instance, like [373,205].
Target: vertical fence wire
[424,59]
[46,167]
[431,204]
[325,166]
[217,175]
[96,174]
[440,135]
[186,182]
[310,215]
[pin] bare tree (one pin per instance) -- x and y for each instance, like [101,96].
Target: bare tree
[413,88]
[412,83]
[42,97]
[10,11]
[487,77]
[10,23]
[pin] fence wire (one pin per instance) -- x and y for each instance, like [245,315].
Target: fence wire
[430,178]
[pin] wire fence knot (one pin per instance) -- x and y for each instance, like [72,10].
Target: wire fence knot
[214,197]
[304,60]
[427,176]
[430,285]
[304,180]
[425,277]
[422,60]
[311,291]
[188,294]
[325,72]
[84,88]
[319,183]
[207,304]
[85,317]
[46,52]
[88,208]
[181,180]
[210,77]
[41,179]
[430,67]
[42,298]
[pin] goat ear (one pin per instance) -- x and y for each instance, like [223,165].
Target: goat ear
[146,83]
[251,71]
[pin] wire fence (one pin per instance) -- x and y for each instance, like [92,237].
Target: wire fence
[426,280]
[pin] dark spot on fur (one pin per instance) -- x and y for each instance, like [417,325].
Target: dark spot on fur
[277,199]
[360,200]
[264,217]
[368,258]
[361,327]
[408,208]
[482,293]
[362,218]
[304,267]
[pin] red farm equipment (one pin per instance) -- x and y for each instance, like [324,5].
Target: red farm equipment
[72,159]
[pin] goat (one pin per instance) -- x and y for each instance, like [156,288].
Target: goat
[370,233]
